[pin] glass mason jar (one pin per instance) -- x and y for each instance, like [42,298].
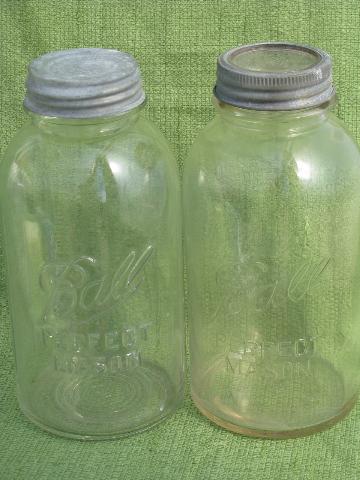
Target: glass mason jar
[272,228]
[91,220]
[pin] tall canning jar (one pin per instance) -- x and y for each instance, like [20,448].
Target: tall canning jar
[272,227]
[91,221]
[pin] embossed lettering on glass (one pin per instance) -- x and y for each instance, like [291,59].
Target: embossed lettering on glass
[272,227]
[91,215]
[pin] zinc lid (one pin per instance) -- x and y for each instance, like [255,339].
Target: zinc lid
[83,83]
[274,76]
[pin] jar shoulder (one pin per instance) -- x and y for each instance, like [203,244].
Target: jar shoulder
[138,150]
[31,136]
[328,144]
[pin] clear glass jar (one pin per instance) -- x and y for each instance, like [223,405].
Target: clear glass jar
[91,220]
[272,228]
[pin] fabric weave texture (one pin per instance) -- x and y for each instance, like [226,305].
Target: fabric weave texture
[176,44]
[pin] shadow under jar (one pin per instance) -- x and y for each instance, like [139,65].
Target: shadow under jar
[91,220]
[272,229]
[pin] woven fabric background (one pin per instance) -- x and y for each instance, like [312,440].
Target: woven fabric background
[176,43]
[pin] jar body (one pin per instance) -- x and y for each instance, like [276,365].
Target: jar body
[272,225]
[91,223]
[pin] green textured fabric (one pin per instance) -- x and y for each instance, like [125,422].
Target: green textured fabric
[176,43]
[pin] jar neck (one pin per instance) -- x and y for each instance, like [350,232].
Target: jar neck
[85,128]
[288,121]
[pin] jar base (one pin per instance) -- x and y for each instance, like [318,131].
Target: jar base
[100,406]
[99,437]
[272,434]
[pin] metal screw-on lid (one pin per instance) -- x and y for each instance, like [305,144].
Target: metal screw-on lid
[274,76]
[83,83]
